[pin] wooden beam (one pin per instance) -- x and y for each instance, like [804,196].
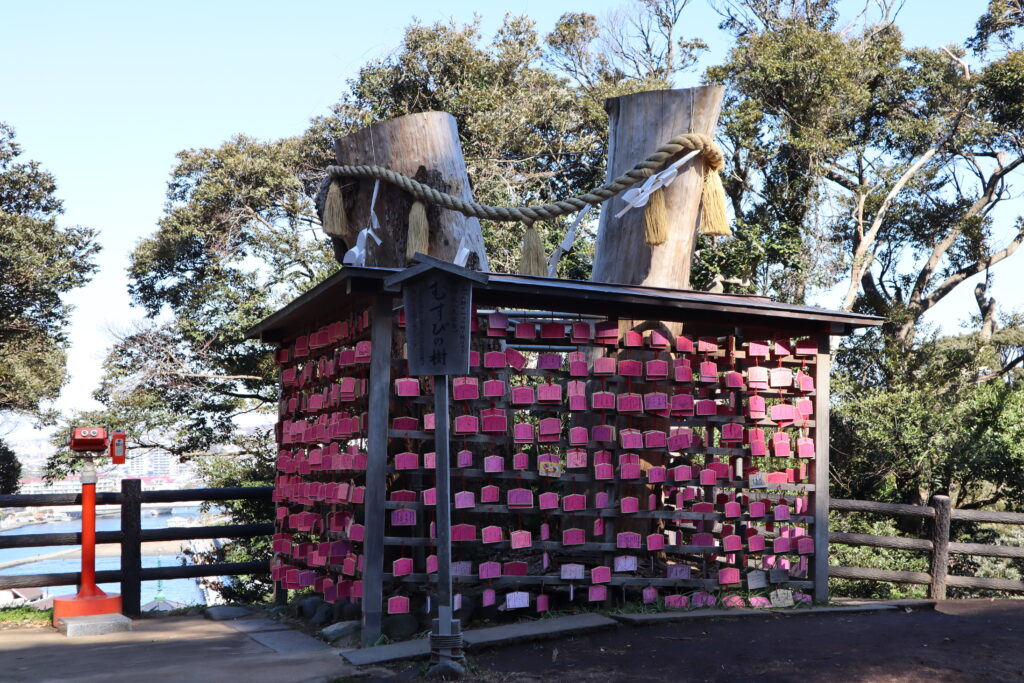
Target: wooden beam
[988,516]
[865,574]
[819,497]
[880,541]
[131,547]
[898,509]
[376,469]
[940,551]
[986,550]
[982,582]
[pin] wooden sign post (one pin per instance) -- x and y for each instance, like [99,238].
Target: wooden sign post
[438,301]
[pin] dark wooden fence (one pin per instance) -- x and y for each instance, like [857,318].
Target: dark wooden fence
[938,545]
[132,535]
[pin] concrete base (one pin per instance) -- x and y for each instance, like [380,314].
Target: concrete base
[497,635]
[288,641]
[94,625]
[225,612]
[640,619]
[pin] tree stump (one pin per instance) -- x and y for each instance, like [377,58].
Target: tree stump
[638,124]
[425,147]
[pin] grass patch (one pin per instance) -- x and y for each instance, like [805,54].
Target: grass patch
[25,616]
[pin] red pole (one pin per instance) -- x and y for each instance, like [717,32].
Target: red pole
[88,586]
[90,600]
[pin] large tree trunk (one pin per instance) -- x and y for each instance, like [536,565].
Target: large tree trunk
[425,147]
[638,124]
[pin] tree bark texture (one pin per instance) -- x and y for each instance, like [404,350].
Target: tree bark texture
[638,125]
[423,146]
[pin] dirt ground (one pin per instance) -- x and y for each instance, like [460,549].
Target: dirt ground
[964,640]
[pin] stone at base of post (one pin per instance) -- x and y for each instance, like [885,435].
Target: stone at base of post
[446,652]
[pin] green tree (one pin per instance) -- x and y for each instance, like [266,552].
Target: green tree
[40,262]
[10,469]
[858,159]
[861,162]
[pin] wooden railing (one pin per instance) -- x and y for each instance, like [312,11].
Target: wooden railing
[938,545]
[132,535]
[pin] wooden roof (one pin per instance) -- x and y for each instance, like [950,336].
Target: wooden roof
[356,286]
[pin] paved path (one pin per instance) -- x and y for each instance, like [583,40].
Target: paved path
[171,649]
[969,640]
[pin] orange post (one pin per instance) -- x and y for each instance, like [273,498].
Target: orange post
[90,598]
[87,587]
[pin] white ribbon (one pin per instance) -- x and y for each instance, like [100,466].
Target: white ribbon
[567,242]
[636,197]
[356,256]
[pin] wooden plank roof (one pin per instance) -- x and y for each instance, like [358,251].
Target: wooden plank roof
[355,286]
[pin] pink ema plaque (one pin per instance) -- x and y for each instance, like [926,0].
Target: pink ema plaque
[490,494]
[402,566]
[627,539]
[549,393]
[521,539]
[574,502]
[520,498]
[548,500]
[575,457]
[655,541]
[676,601]
[629,403]
[407,461]
[573,537]
[398,604]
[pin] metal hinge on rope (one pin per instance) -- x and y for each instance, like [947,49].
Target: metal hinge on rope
[636,197]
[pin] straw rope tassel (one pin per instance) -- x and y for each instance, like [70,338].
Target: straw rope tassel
[335,222]
[418,235]
[656,219]
[713,220]
[531,260]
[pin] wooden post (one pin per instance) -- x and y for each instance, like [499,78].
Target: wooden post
[820,497]
[280,594]
[940,547]
[639,124]
[425,147]
[438,302]
[444,512]
[376,469]
[131,547]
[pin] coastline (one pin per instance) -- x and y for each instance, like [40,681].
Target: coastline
[102,550]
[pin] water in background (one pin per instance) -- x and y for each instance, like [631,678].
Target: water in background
[185,591]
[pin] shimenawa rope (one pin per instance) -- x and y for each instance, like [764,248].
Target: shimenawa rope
[709,152]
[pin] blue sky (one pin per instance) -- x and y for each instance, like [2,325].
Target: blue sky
[104,94]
